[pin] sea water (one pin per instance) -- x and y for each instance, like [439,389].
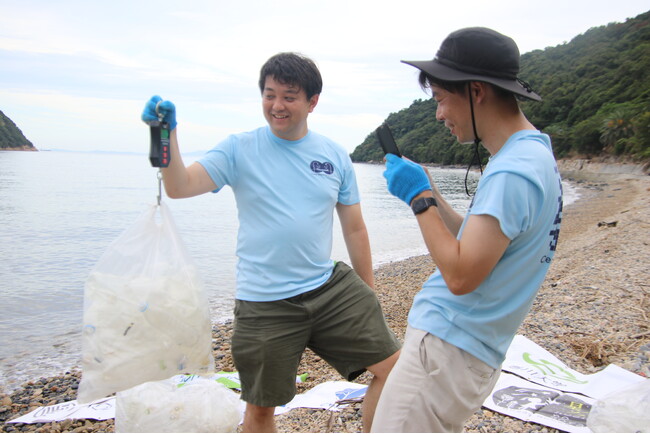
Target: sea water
[60,210]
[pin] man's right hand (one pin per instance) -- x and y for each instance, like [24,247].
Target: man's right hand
[165,108]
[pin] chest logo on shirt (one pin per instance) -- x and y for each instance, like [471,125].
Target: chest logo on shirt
[317,167]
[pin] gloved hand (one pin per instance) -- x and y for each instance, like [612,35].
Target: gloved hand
[405,178]
[165,108]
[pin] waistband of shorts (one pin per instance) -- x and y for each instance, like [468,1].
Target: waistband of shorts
[340,270]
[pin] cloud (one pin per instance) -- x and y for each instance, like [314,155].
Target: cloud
[89,63]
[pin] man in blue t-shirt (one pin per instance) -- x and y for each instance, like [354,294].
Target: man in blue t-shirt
[491,262]
[287,182]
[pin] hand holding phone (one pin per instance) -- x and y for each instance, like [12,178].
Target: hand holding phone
[387,141]
[405,178]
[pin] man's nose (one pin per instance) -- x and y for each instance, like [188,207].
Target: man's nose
[278,105]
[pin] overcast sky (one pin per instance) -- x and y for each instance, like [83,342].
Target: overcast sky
[75,74]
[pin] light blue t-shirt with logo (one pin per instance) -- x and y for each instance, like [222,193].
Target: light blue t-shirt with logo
[286,193]
[521,188]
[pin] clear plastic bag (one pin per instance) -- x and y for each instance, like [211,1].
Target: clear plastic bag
[201,405]
[146,315]
[625,410]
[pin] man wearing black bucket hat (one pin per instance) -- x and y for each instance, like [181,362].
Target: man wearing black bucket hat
[491,262]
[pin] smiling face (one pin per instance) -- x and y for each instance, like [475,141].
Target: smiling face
[454,110]
[286,108]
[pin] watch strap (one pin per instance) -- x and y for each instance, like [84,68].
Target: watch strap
[422,204]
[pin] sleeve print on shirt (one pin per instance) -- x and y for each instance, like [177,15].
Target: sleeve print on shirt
[555,232]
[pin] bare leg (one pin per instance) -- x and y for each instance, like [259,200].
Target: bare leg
[259,419]
[380,371]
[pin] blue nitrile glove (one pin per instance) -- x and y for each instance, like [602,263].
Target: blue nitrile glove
[165,108]
[405,178]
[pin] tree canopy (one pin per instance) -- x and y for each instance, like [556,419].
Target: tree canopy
[596,101]
[11,136]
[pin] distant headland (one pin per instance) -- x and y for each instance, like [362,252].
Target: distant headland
[11,138]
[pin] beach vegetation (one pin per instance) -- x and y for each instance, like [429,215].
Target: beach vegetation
[596,101]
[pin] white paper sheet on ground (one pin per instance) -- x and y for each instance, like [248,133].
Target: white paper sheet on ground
[528,360]
[524,358]
[228,379]
[532,402]
[325,395]
[101,409]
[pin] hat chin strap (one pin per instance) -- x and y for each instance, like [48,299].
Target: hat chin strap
[477,139]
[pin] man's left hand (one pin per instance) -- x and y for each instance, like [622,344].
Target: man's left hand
[405,178]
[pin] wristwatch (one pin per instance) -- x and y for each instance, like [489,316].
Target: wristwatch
[422,204]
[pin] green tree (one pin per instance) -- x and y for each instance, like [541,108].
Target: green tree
[11,136]
[596,91]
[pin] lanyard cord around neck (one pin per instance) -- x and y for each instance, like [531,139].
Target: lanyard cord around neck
[477,140]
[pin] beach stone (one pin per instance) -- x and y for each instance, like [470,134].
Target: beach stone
[598,274]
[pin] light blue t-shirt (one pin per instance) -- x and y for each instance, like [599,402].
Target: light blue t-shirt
[286,193]
[521,188]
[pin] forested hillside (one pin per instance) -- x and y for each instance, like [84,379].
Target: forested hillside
[11,137]
[596,101]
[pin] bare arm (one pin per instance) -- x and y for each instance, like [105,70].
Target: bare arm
[181,181]
[464,263]
[452,219]
[356,239]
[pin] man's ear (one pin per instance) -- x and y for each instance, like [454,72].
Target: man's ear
[479,90]
[312,102]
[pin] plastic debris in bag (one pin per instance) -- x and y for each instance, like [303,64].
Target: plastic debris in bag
[200,405]
[146,315]
[625,410]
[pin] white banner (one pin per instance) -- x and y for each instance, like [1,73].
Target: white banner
[531,402]
[330,395]
[542,390]
[528,360]
[100,409]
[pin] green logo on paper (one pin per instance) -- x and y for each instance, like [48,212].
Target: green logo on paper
[552,370]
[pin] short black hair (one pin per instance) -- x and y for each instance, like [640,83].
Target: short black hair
[458,87]
[293,69]
[426,81]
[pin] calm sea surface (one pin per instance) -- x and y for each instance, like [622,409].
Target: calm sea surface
[60,210]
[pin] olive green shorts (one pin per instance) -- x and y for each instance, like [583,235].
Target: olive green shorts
[341,321]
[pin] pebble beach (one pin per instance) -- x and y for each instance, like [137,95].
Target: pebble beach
[592,310]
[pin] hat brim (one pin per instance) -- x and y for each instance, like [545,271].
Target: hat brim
[445,73]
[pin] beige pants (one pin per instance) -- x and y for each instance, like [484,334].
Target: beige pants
[434,387]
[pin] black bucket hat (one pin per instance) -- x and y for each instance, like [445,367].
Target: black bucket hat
[478,54]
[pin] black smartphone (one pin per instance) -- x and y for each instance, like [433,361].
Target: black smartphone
[387,141]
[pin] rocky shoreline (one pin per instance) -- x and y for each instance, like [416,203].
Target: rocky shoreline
[21,148]
[592,310]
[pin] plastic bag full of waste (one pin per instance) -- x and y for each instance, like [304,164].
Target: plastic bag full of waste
[624,410]
[201,405]
[146,314]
